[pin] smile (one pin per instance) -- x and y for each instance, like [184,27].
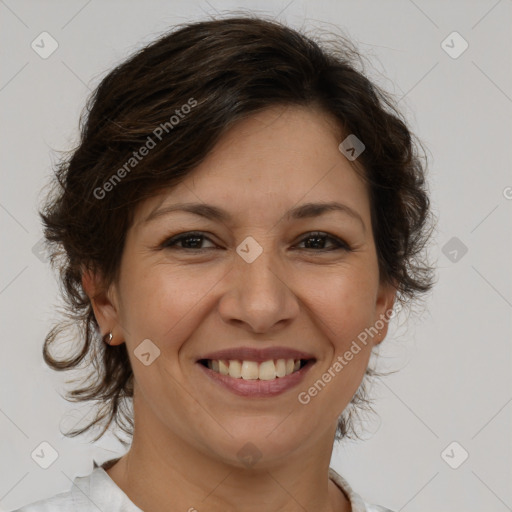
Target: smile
[255,373]
[252,370]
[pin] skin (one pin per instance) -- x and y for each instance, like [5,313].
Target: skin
[188,430]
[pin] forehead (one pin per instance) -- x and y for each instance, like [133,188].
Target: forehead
[274,159]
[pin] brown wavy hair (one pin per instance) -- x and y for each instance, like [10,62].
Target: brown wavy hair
[231,68]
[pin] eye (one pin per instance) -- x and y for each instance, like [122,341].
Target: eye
[193,241]
[317,240]
[187,241]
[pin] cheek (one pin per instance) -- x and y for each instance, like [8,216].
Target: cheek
[161,301]
[343,306]
[344,303]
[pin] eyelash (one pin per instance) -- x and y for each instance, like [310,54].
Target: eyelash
[170,243]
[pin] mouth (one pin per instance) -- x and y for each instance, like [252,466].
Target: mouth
[252,370]
[256,372]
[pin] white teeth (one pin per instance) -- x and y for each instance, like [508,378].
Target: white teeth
[281,367]
[224,367]
[251,370]
[267,370]
[235,369]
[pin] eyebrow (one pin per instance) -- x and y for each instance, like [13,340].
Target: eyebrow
[307,210]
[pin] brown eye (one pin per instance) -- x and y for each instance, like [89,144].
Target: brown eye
[187,241]
[317,240]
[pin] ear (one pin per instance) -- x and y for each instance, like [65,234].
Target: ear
[104,305]
[386,296]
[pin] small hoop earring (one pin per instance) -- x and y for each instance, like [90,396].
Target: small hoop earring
[109,337]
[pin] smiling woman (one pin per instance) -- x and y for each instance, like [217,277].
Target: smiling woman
[241,273]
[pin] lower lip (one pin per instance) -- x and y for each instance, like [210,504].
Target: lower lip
[258,388]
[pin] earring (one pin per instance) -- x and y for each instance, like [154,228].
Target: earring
[108,337]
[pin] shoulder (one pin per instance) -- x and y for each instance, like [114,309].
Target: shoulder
[357,503]
[76,499]
[61,501]
[90,493]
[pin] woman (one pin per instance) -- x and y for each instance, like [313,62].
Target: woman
[242,213]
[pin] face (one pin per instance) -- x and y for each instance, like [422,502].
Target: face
[260,279]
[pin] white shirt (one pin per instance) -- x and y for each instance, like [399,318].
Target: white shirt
[98,492]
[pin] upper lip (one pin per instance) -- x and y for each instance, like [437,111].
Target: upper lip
[257,354]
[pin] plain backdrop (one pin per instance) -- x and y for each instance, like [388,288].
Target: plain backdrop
[454,383]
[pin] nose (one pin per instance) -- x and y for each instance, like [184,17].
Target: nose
[258,296]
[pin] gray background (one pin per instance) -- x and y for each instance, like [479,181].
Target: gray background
[454,382]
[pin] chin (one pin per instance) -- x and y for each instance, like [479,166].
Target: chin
[256,444]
